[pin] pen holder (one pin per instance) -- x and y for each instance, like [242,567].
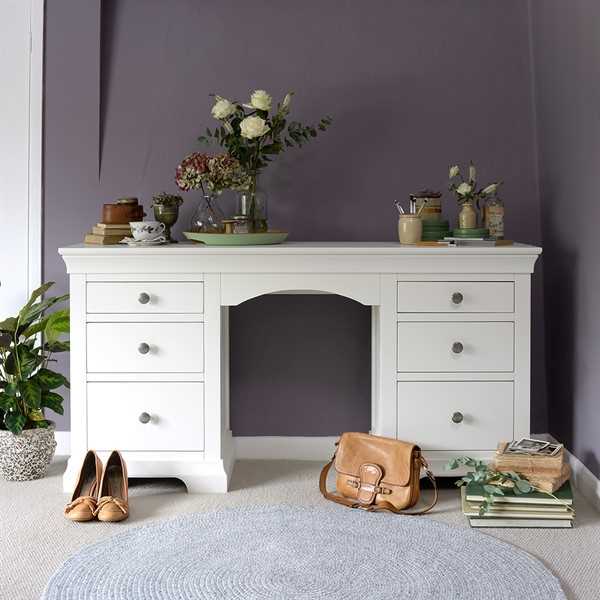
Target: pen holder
[410,229]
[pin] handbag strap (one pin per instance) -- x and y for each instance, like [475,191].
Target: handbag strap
[381,505]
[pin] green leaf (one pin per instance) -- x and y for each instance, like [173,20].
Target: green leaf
[53,401]
[15,421]
[523,486]
[57,346]
[7,402]
[31,393]
[50,380]
[28,314]
[35,328]
[9,325]
[27,362]
[58,323]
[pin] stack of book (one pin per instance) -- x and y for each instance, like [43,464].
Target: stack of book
[104,234]
[535,509]
[546,472]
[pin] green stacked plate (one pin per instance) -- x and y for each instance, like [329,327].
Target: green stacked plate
[477,232]
[435,230]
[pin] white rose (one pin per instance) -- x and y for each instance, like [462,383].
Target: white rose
[260,100]
[285,105]
[490,189]
[454,171]
[222,108]
[472,172]
[463,189]
[253,127]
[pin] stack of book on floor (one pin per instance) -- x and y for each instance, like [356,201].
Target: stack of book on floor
[105,235]
[535,509]
[545,467]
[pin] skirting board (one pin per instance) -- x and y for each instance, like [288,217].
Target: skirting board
[319,448]
[583,479]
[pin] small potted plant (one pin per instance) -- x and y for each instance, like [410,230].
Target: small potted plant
[468,196]
[166,211]
[28,386]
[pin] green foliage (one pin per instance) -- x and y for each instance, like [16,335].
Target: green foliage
[494,483]
[27,342]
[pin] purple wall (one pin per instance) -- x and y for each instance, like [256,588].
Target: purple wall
[413,86]
[566,57]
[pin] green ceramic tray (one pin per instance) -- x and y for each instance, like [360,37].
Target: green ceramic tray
[238,239]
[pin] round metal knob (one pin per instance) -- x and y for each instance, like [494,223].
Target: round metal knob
[144,418]
[457,298]
[143,348]
[457,347]
[144,298]
[457,417]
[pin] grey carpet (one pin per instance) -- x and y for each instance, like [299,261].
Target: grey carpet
[301,553]
[35,538]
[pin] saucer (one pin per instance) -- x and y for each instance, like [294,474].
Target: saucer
[142,243]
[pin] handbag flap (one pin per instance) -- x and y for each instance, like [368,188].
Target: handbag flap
[393,456]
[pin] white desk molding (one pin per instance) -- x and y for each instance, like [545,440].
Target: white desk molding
[149,346]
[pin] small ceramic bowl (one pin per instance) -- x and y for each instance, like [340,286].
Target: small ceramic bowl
[144,231]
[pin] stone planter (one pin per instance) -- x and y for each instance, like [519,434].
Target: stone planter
[27,455]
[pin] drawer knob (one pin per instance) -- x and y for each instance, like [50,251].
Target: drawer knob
[457,417]
[143,348]
[457,297]
[144,418]
[144,298]
[457,347]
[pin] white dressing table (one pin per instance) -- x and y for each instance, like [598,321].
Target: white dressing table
[149,345]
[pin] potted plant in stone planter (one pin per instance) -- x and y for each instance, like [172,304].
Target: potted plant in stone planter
[28,385]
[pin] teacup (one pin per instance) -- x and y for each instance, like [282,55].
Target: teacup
[147,231]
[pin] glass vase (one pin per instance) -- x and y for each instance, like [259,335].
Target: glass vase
[252,204]
[208,217]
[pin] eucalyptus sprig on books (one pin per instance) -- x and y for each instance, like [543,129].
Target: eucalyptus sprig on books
[493,483]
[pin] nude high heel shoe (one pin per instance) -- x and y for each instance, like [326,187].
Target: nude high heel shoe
[82,506]
[114,497]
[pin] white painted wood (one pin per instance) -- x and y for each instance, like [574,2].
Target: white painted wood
[21,60]
[78,391]
[410,350]
[237,288]
[299,257]
[176,416]
[319,448]
[162,297]
[174,347]
[522,356]
[427,347]
[383,406]
[486,407]
[437,296]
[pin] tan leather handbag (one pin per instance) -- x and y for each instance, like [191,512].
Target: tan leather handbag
[377,473]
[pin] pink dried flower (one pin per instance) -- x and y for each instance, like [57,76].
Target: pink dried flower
[191,173]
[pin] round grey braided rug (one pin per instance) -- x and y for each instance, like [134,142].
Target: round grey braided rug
[293,553]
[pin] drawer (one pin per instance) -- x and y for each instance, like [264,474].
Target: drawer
[456,296]
[176,412]
[435,346]
[426,410]
[171,347]
[145,297]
